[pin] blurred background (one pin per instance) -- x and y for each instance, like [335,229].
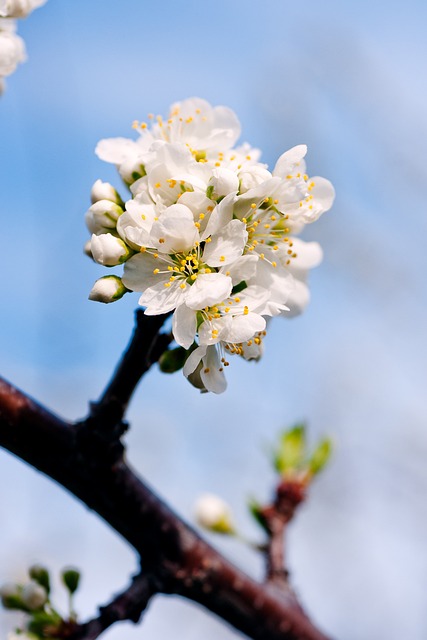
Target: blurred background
[347,79]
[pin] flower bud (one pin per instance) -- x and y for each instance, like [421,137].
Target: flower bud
[104,191]
[107,289]
[12,52]
[71,579]
[8,590]
[87,250]
[222,182]
[252,176]
[11,597]
[109,250]
[131,170]
[103,215]
[40,575]
[214,514]
[34,595]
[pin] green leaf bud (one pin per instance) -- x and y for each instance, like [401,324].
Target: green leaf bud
[71,578]
[41,575]
[321,456]
[289,455]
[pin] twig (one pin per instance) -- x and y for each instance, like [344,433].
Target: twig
[275,517]
[128,605]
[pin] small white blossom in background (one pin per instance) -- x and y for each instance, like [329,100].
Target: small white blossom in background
[21,636]
[19,8]
[212,513]
[9,590]
[12,47]
[209,234]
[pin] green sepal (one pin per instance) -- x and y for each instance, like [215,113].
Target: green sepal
[224,527]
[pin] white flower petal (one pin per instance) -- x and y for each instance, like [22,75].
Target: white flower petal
[253,176]
[161,299]
[227,245]
[242,208]
[297,300]
[174,231]
[184,326]
[289,160]
[212,373]
[309,255]
[223,182]
[116,150]
[323,192]
[244,327]
[220,216]
[193,360]
[208,327]
[254,297]
[208,289]
[139,272]
[244,268]
[134,226]
[278,281]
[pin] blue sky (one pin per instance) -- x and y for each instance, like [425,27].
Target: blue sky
[348,80]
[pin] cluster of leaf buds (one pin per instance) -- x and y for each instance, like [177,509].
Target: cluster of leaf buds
[33,598]
[296,467]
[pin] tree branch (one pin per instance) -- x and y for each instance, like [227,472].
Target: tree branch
[290,493]
[179,560]
[128,605]
[145,348]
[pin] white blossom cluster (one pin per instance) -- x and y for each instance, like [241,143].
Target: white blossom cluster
[209,233]
[12,47]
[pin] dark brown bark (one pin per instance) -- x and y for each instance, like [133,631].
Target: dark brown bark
[128,605]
